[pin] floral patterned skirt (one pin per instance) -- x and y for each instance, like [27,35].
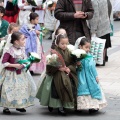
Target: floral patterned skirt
[16,90]
[87,102]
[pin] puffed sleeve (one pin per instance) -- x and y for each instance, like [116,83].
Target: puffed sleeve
[5,59]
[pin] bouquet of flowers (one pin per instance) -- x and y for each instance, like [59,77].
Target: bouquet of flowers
[70,47]
[33,58]
[78,55]
[55,59]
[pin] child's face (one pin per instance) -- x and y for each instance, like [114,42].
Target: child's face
[62,31]
[15,29]
[85,47]
[21,41]
[1,15]
[36,20]
[63,43]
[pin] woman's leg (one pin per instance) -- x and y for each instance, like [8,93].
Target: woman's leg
[104,55]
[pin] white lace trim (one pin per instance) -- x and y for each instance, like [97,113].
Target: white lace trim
[17,53]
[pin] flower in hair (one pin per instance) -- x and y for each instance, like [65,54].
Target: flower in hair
[56,37]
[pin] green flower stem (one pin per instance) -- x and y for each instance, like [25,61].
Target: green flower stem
[27,62]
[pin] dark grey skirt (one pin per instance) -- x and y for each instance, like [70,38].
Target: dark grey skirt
[108,40]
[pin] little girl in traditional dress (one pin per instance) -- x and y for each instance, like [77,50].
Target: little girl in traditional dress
[13,27]
[90,94]
[58,31]
[32,32]
[3,23]
[58,89]
[25,10]
[6,40]
[11,11]
[17,88]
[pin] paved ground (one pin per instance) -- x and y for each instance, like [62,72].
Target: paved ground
[110,81]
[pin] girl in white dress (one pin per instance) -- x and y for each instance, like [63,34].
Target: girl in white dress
[25,10]
[17,88]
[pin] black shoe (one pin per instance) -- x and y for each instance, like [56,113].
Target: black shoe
[21,109]
[106,58]
[6,111]
[50,109]
[117,19]
[62,112]
[101,64]
[31,72]
[92,111]
[98,65]
[78,111]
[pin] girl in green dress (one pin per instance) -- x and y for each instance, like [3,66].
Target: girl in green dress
[58,88]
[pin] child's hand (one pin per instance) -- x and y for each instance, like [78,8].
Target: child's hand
[67,70]
[18,66]
[78,63]
[37,32]
[97,79]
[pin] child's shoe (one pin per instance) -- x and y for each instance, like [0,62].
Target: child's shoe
[92,111]
[21,109]
[6,111]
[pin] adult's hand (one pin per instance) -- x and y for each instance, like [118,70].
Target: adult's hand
[80,14]
[84,16]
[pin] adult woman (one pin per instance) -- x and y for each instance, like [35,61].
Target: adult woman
[100,23]
[73,15]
